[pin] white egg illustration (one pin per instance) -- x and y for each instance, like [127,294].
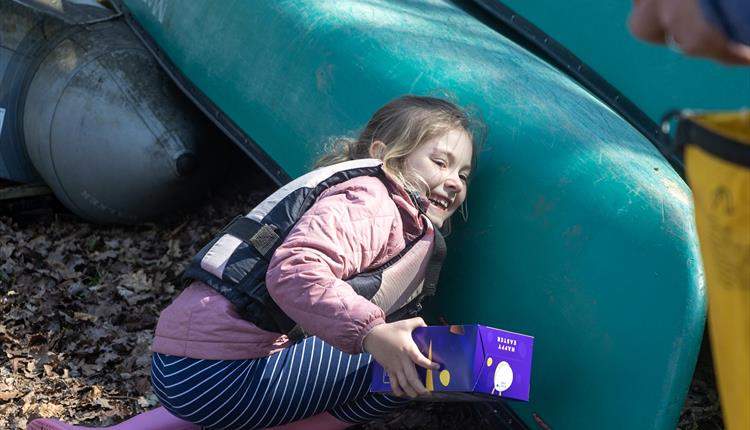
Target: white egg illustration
[503,377]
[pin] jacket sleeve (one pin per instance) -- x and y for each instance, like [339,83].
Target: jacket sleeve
[731,17]
[344,233]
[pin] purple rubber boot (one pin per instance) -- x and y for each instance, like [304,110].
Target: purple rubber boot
[155,419]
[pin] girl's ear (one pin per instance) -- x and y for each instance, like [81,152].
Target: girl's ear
[377,149]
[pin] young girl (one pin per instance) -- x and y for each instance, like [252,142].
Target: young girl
[341,279]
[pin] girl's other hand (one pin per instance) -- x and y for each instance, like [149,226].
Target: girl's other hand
[392,346]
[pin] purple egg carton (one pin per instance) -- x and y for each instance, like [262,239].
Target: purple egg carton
[476,362]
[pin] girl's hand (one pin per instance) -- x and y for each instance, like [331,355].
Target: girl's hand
[392,346]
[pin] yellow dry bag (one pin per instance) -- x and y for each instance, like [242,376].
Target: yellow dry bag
[717,165]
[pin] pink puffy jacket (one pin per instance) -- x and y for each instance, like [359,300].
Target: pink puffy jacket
[352,227]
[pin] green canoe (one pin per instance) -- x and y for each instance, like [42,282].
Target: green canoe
[580,232]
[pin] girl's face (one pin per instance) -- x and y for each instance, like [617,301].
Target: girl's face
[444,163]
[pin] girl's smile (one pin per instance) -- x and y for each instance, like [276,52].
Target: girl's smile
[443,165]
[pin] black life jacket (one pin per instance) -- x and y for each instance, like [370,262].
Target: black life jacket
[235,262]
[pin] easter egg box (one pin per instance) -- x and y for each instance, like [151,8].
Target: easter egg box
[476,362]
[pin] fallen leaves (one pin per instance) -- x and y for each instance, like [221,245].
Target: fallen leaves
[83,316]
[50,410]
[9,395]
[78,306]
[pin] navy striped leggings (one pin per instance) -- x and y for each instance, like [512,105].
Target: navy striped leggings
[300,381]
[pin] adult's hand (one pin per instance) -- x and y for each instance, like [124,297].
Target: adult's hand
[681,24]
[392,346]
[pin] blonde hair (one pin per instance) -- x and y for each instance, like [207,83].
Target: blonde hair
[403,125]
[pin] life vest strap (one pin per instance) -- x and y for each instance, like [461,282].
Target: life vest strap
[263,237]
[432,274]
[431,277]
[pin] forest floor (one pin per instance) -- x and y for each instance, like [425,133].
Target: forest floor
[79,302]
